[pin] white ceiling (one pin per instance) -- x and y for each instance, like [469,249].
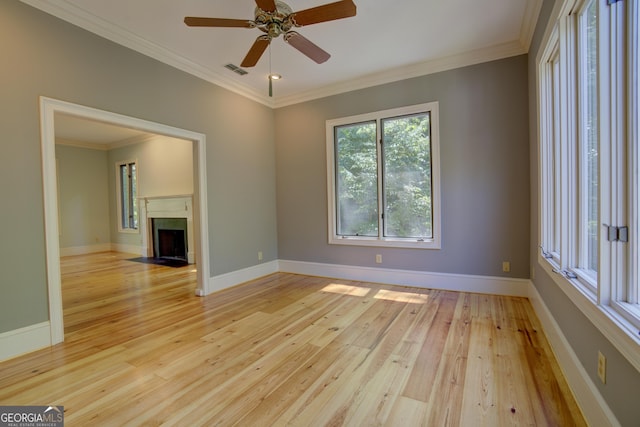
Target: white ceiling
[387,40]
[72,130]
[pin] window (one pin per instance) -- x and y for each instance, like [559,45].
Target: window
[383,178]
[127,196]
[550,155]
[586,262]
[588,73]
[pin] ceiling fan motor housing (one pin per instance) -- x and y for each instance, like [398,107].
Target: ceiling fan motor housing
[274,23]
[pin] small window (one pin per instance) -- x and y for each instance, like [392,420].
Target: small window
[127,196]
[383,178]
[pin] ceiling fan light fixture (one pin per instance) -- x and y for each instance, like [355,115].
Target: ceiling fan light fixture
[275,18]
[275,76]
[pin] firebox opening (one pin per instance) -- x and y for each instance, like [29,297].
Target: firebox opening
[170,238]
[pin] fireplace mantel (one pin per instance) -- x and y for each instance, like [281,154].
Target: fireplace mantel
[180,206]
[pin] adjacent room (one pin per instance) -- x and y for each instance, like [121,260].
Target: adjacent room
[321,213]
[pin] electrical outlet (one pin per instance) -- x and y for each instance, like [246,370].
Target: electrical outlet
[259,255]
[602,367]
[378,259]
[506,266]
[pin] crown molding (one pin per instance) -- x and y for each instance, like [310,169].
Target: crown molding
[529,21]
[106,146]
[82,144]
[492,53]
[69,12]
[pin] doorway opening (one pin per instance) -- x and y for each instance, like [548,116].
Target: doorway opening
[49,108]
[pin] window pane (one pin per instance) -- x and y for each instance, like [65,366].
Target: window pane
[128,196]
[124,195]
[134,196]
[407,177]
[356,180]
[589,142]
[557,172]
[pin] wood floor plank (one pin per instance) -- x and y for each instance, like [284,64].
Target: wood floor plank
[141,349]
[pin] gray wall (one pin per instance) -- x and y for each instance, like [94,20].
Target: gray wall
[623,380]
[83,196]
[484,171]
[42,55]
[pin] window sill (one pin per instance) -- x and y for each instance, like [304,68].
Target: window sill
[129,230]
[619,331]
[386,243]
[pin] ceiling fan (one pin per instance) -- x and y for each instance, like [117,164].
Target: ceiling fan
[275,18]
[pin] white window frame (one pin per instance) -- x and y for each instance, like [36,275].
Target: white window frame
[549,152]
[121,228]
[334,237]
[611,302]
[577,39]
[626,296]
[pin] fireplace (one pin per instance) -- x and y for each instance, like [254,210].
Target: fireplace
[167,228]
[170,238]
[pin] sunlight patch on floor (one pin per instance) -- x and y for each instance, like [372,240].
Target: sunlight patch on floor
[398,296]
[356,291]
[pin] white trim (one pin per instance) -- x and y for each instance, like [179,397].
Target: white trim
[465,59]
[119,195]
[594,408]
[601,308]
[82,144]
[24,340]
[377,116]
[529,21]
[421,279]
[237,277]
[77,16]
[618,331]
[85,249]
[128,249]
[178,206]
[48,108]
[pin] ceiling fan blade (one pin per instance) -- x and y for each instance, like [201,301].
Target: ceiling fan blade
[194,21]
[267,5]
[256,51]
[307,47]
[327,12]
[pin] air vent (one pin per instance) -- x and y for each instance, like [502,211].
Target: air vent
[236,69]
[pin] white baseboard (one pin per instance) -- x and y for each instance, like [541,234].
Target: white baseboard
[128,249]
[594,408]
[24,340]
[83,250]
[102,247]
[222,281]
[420,279]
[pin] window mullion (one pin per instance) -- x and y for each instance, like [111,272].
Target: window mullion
[380,160]
[618,131]
[633,277]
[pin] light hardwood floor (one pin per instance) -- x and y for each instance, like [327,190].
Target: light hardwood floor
[141,349]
